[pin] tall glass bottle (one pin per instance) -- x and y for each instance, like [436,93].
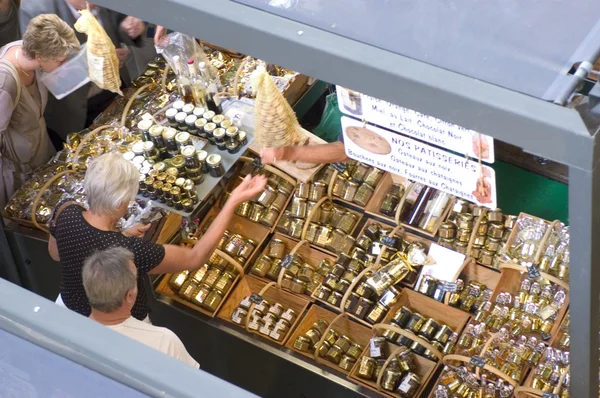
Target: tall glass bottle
[420,205]
[198,84]
[183,82]
[213,99]
[409,202]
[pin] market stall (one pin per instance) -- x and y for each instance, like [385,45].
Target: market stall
[350,278]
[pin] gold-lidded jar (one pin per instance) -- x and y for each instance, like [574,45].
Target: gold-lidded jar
[366,368]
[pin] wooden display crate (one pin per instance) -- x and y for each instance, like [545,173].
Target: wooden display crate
[164,288]
[471,271]
[424,368]
[510,282]
[238,225]
[386,182]
[309,218]
[271,293]
[344,326]
[309,254]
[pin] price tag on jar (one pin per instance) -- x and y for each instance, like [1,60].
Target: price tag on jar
[549,395]
[450,287]
[257,163]
[389,241]
[339,166]
[256,298]
[533,271]
[477,361]
[287,261]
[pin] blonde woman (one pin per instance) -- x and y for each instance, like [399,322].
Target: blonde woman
[24,144]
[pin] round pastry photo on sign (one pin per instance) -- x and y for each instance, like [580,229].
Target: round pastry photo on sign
[369,140]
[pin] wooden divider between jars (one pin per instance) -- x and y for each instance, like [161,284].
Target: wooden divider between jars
[331,183]
[260,293]
[475,230]
[38,197]
[551,278]
[401,203]
[311,215]
[324,336]
[291,253]
[545,238]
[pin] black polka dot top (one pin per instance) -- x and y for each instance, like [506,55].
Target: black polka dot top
[77,240]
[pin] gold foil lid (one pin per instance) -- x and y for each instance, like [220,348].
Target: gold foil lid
[210,126]
[172,172]
[178,161]
[213,159]
[180,181]
[218,119]
[156,130]
[182,137]
[202,155]
[188,151]
[226,124]
[160,167]
[200,123]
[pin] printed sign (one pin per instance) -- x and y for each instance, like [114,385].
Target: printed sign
[415,124]
[420,162]
[445,265]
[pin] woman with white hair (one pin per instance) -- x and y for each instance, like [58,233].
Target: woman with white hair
[111,183]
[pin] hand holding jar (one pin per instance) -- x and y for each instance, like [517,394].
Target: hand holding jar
[248,189]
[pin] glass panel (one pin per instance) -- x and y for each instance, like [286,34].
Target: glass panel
[29,371]
[520,45]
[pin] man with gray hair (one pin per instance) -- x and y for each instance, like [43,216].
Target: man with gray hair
[110,282]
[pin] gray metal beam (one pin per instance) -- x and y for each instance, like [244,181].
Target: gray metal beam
[584,218]
[103,350]
[536,126]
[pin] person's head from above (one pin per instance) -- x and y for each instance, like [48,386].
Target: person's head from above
[110,282]
[81,4]
[49,41]
[111,183]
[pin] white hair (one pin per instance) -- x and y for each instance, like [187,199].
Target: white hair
[110,181]
[107,277]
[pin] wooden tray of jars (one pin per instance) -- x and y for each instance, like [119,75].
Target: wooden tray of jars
[310,255]
[238,225]
[164,288]
[245,166]
[470,270]
[313,214]
[513,235]
[331,183]
[339,322]
[424,368]
[386,182]
[510,282]
[270,292]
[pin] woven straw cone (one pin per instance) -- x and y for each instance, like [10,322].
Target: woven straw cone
[100,47]
[276,122]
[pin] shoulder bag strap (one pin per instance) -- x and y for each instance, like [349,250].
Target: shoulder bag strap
[15,75]
[58,211]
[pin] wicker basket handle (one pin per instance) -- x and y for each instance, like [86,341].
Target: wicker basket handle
[485,349]
[540,393]
[461,358]
[318,345]
[38,197]
[401,203]
[545,238]
[331,183]
[410,335]
[561,381]
[88,137]
[352,286]
[271,169]
[260,293]
[130,102]
[311,215]
[475,228]
[397,228]
[386,363]
[544,275]
[163,80]
[291,253]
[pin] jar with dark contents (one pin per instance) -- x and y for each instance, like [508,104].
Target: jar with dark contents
[242,138]
[188,109]
[226,123]
[170,143]
[208,115]
[189,153]
[198,111]
[170,114]
[156,132]
[232,147]
[209,128]
[199,124]
[175,198]
[231,133]
[190,121]
[201,155]
[215,165]
[180,121]
[219,135]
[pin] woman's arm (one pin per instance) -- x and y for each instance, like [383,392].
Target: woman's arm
[53,249]
[179,259]
[323,153]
